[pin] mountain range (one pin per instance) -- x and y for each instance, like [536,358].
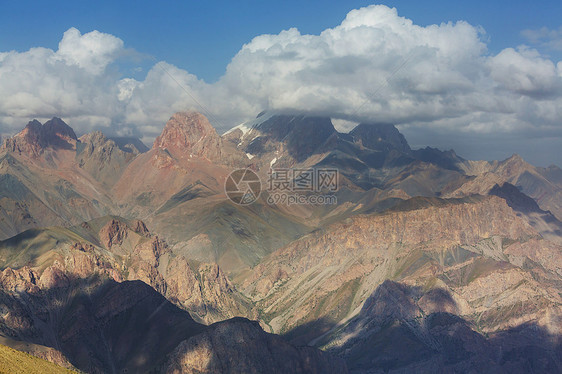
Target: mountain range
[119,257]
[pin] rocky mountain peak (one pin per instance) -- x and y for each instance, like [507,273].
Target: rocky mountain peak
[32,127]
[95,138]
[299,135]
[125,144]
[55,130]
[515,158]
[130,144]
[380,136]
[280,126]
[189,134]
[34,138]
[515,161]
[28,140]
[184,131]
[139,227]
[513,165]
[102,157]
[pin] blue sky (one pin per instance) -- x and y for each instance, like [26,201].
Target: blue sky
[482,77]
[203,36]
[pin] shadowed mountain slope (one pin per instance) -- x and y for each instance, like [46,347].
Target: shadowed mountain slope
[241,346]
[110,327]
[408,329]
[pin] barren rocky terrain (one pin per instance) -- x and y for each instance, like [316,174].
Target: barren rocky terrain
[115,256]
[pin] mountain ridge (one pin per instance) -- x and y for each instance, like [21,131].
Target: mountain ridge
[470,248]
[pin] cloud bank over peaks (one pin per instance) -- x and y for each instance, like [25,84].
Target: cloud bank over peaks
[72,82]
[374,66]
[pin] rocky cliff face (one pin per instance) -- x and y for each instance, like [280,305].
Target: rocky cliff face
[115,249]
[190,134]
[294,137]
[205,292]
[463,246]
[381,137]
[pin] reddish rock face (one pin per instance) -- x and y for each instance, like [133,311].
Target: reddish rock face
[190,134]
[18,280]
[26,141]
[113,233]
[139,227]
[34,138]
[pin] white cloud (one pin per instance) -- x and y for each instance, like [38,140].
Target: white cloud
[375,65]
[92,51]
[70,82]
[525,72]
[353,64]
[544,36]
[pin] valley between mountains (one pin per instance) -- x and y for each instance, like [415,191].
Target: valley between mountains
[117,258]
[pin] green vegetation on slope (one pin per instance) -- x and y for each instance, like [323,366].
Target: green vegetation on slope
[16,362]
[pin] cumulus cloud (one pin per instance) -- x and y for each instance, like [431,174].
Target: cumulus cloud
[525,72]
[374,66]
[92,51]
[71,82]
